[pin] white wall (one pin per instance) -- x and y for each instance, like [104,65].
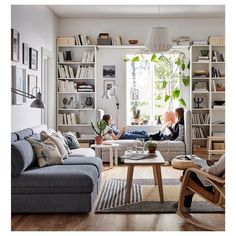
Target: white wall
[130,28]
[37,26]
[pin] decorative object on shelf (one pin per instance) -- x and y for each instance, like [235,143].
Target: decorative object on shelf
[89,101]
[37,103]
[109,71]
[133,41]
[15,45]
[216,41]
[104,39]
[18,83]
[205,52]
[198,101]
[152,147]
[33,59]
[32,83]
[67,102]
[68,56]
[25,53]
[65,41]
[99,128]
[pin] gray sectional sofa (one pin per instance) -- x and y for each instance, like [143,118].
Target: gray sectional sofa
[69,187]
[168,149]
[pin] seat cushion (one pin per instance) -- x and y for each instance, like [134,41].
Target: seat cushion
[86,152]
[22,156]
[66,178]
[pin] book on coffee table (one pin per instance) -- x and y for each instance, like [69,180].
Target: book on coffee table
[138,156]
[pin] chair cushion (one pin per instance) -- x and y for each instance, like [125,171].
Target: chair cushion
[181,133]
[46,152]
[22,156]
[66,178]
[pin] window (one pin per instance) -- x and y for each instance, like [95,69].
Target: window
[146,88]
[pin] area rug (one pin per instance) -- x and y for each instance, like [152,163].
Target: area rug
[145,198]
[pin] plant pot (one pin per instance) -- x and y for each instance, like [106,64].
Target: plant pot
[152,149]
[136,121]
[98,139]
[169,116]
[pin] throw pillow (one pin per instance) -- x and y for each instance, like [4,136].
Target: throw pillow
[72,140]
[54,137]
[46,152]
[45,133]
[63,139]
[181,133]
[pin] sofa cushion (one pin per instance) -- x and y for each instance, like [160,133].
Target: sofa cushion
[25,133]
[72,141]
[13,137]
[86,152]
[66,178]
[22,156]
[60,145]
[95,161]
[46,152]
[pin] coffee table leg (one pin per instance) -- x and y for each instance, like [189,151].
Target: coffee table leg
[111,157]
[129,183]
[159,180]
[155,174]
[116,155]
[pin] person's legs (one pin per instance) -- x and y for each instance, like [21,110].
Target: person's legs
[129,135]
[158,136]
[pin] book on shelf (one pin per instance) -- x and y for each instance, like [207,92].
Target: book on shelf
[60,57]
[200,42]
[82,39]
[218,134]
[219,107]
[198,132]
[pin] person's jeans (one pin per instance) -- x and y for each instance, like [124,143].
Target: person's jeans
[135,134]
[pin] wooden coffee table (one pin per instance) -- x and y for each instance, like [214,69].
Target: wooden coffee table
[155,162]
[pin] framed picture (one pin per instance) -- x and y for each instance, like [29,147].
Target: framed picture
[25,54]
[18,82]
[109,71]
[15,45]
[33,59]
[32,83]
[108,84]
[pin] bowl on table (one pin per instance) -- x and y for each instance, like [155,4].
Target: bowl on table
[133,41]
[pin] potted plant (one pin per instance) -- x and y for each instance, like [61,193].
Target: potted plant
[136,116]
[152,147]
[99,129]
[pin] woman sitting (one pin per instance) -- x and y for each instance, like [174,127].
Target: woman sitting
[174,131]
[114,133]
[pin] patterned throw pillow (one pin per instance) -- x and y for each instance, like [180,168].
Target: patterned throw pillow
[181,133]
[72,140]
[46,152]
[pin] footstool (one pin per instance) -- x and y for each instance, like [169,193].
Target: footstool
[181,163]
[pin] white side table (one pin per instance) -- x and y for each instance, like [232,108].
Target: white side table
[111,147]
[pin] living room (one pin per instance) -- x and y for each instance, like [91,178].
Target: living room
[48,46]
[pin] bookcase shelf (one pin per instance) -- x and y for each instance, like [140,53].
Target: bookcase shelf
[211,79]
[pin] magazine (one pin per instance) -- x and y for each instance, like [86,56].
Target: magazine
[138,156]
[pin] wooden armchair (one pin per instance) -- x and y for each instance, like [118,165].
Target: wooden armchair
[189,186]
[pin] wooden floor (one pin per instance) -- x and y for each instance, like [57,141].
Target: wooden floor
[113,222]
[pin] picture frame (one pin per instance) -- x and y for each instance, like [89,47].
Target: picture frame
[32,83]
[107,85]
[18,82]
[15,45]
[33,59]
[109,71]
[25,54]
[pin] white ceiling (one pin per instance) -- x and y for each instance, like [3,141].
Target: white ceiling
[180,11]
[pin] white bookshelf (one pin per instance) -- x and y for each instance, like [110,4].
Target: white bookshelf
[213,80]
[75,90]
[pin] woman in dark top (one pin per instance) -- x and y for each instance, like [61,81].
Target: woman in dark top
[114,133]
[179,114]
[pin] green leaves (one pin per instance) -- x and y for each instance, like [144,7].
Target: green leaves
[182,102]
[164,83]
[167,97]
[185,80]
[175,93]
[135,59]
[154,58]
[126,60]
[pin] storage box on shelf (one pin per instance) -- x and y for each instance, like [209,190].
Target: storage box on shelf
[216,147]
[207,95]
[76,88]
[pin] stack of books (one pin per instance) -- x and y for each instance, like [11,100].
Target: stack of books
[85,72]
[200,87]
[67,119]
[66,86]
[203,59]
[200,42]
[82,39]
[65,71]
[85,88]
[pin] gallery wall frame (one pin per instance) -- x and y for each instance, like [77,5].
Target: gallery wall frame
[33,59]
[32,84]
[18,82]
[109,71]
[25,53]
[15,45]
[108,84]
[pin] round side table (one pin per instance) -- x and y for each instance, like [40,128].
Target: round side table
[111,147]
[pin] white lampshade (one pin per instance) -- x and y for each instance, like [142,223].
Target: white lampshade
[158,40]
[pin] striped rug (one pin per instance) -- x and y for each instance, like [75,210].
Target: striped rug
[145,198]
